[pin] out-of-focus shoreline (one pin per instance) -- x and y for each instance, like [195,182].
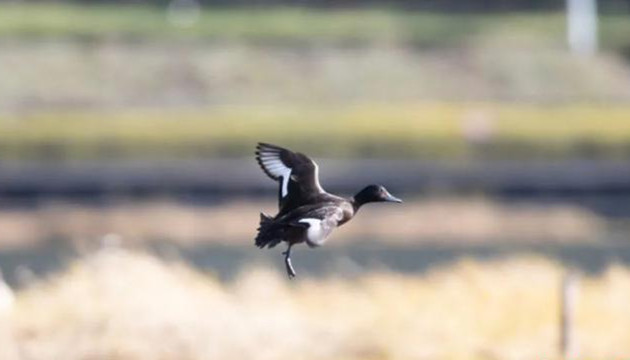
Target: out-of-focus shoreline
[458,220]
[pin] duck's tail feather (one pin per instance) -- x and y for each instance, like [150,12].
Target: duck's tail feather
[267,234]
[265,219]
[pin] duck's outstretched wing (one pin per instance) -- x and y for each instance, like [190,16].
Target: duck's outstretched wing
[297,174]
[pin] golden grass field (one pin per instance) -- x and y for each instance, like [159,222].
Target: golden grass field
[121,305]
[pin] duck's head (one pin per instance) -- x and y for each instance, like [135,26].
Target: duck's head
[374,193]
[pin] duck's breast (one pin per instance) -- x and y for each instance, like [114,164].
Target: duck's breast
[347,212]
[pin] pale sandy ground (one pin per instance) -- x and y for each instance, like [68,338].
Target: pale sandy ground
[466,220]
[121,305]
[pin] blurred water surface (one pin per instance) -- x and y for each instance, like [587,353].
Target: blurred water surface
[227,262]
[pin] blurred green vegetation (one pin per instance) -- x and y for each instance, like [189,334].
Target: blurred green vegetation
[406,128]
[288,25]
[431,130]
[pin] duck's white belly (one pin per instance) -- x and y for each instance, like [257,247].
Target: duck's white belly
[317,232]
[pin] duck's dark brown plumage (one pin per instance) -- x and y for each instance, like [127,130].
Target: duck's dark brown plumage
[307,213]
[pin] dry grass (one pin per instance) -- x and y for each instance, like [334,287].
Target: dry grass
[119,305]
[478,221]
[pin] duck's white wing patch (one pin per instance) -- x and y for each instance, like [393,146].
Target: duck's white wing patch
[316,178]
[271,162]
[286,176]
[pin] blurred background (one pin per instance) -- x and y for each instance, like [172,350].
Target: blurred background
[129,194]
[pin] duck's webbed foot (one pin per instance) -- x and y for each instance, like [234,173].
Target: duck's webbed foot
[287,262]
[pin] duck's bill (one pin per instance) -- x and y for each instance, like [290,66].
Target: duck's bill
[392,198]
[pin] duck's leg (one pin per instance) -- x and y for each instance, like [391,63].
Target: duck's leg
[287,262]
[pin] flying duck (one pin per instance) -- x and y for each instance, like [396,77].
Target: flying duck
[307,213]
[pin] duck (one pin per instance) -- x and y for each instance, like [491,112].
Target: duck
[306,212]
